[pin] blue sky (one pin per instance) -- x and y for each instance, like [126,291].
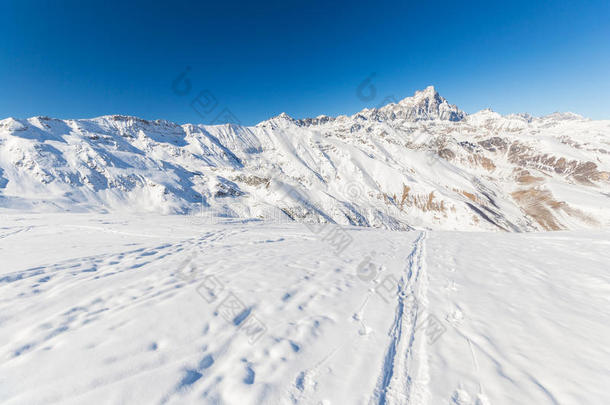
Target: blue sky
[76,59]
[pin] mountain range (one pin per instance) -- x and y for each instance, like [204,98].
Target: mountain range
[418,163]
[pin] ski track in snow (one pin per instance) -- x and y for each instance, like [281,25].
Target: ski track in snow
[23,229]
[397,384]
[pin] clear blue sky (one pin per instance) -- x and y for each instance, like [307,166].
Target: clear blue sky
[80,59]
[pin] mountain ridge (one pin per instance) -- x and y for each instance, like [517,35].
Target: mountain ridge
[421,162]
[429,92]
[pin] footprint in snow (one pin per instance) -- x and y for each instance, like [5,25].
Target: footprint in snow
[206,362]
[190,378]
[250,374]
[461,397]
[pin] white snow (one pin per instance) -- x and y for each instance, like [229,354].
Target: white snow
[115,309]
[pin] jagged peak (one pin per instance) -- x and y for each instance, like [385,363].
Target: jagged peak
[284,116]
[428,94]
[426,104]
[280,120]
[429,91]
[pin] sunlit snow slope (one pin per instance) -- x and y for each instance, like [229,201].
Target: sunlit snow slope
[111,309]
[418,163]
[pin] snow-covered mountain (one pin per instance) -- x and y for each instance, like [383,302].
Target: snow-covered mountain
[421,162]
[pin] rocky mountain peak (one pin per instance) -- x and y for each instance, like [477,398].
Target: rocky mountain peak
[424,105]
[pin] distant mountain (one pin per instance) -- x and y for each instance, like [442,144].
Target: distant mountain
[421,162]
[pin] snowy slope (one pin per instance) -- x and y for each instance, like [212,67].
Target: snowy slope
[421,162]
[132,309]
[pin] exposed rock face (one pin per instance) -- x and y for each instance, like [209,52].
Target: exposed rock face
[426,105]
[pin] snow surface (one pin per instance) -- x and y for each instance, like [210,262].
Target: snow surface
[130,309]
